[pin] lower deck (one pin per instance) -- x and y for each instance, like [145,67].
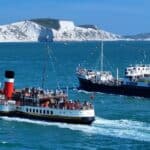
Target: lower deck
[49,118]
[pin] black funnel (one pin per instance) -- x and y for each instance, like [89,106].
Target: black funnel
[9,74]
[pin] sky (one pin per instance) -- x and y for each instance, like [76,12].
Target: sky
[125,17]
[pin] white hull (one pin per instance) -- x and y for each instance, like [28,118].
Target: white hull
[48,114]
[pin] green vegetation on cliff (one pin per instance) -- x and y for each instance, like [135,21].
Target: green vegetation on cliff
[47,22]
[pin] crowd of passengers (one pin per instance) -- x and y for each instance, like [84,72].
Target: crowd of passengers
[68,104]
[39,92]
[55,99]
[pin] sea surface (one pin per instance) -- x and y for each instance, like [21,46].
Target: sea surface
[121,122]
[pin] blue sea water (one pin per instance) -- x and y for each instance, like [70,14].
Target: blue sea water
[121,122]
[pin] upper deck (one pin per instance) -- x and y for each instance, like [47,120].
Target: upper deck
[94,76]
[57,99]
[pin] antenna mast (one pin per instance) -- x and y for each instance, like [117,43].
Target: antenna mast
[102,56]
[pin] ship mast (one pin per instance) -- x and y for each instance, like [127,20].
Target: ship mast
[102,56]
[117,74]
[44,73]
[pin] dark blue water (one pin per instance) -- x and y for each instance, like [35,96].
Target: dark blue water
[121,122]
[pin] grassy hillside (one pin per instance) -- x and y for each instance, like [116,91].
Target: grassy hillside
[89,26]
[47,22]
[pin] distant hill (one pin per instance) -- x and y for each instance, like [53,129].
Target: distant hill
[45,29]
[64,30]
[141,36]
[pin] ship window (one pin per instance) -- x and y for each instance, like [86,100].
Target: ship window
[37,110]
[47,111]
[30,110]
[51,112]
[40,111]
[43,111]
[33,110]
[26,109]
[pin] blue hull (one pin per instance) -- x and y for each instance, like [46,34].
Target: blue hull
[128,90]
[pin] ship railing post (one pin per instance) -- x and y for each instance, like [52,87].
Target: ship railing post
[102,56]
[67,91]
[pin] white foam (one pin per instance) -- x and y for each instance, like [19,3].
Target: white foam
[3,142]
[83,91]
[127,129]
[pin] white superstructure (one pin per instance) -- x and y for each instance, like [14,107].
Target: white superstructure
[7,106]
[95,76]
[138,75]
[138,71]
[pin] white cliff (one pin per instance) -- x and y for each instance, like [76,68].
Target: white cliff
[24,31]
[30,31]
[69,32]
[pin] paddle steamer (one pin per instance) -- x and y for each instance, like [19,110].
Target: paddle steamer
[39,104]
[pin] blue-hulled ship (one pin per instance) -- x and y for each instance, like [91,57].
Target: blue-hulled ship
[136,80]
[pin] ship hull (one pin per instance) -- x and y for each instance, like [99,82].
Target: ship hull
[128,90]
[74,120]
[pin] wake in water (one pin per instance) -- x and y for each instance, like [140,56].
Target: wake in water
[90,92]
[128,129]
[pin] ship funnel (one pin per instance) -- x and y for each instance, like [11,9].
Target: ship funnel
[9,84]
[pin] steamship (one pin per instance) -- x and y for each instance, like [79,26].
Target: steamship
[39,104]
[136,81]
